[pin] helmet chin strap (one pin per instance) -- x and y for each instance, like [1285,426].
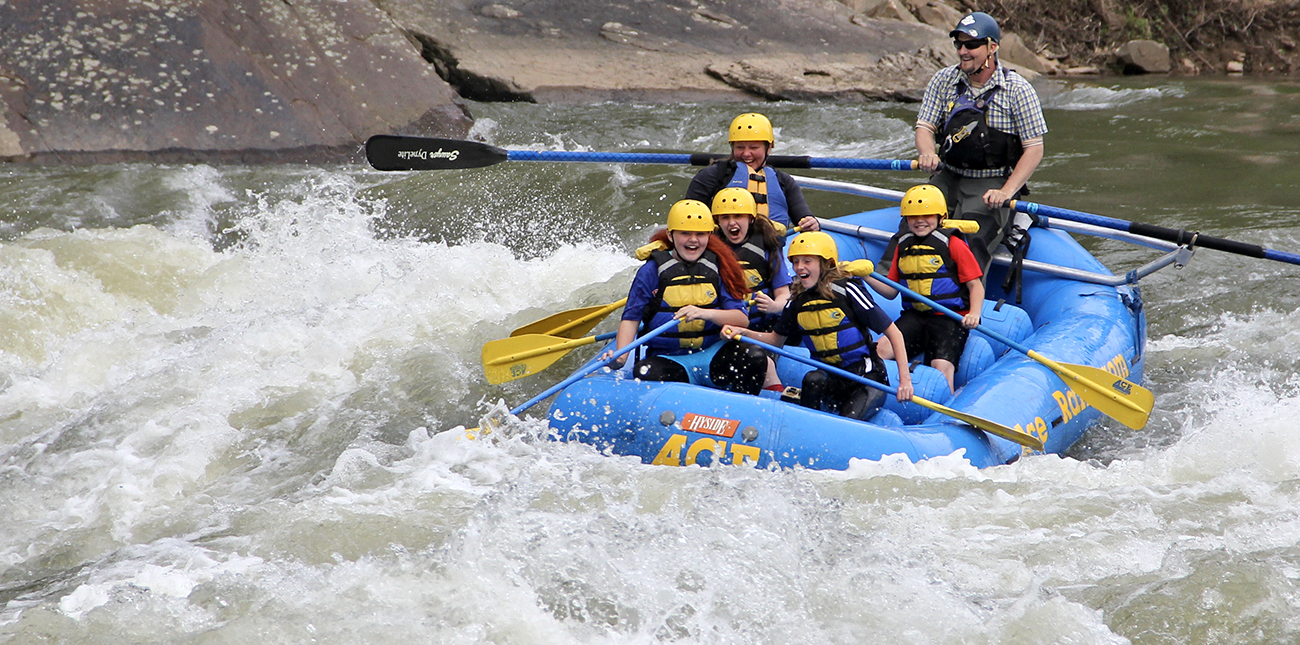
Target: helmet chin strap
[987,61]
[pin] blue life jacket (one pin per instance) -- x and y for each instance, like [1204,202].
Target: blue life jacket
[767,192]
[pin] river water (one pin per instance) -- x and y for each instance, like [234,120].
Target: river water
[232,403]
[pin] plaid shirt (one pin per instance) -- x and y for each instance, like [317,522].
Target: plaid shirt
[1014,109]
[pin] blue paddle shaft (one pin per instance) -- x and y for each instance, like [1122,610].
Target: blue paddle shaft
[820,365]
[1177,236]
[595,366]
[776,161]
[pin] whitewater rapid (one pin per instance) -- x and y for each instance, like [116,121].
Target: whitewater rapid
[233,402]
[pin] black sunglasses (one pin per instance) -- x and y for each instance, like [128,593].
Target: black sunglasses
[970,44]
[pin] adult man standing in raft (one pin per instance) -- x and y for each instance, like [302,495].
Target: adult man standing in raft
[985,123]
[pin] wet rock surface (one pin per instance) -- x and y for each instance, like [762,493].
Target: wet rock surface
[662,50]
[310,80]
[209,80]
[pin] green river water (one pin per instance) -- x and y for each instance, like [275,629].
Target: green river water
[231,401]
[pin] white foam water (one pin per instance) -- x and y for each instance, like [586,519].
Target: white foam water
[1090,97]
[241,417]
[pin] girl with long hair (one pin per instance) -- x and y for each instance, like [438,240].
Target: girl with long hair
[696,279]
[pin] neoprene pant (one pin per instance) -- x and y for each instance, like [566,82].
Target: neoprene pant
[851,399]
[737,367]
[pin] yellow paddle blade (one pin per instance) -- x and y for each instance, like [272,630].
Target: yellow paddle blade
[1118,398]
[518,356]
[574,323]
[990,427]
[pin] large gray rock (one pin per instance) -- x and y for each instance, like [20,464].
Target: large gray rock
[898,77]
[1012,50]
[236,79]
[656,50]
[310,79]
[1144,57]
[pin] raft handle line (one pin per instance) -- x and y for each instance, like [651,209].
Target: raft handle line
[1112,395]
[991,427]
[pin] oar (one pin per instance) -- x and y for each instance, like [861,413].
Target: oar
[576,376]
[397,152]
[1118,398]
[1177,236]
[519,356]
[584,372]
[574,323]
[986,425]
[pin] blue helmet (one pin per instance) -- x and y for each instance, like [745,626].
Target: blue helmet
[978,25]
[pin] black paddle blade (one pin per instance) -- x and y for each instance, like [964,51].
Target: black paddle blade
[396,152]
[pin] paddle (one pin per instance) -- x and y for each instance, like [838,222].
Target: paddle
[578,375]
[1118,398]
[397,152]
[519,356]
[990,427]
[1177,236]
[574,323]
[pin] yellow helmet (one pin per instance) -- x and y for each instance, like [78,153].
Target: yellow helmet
[924,200]
[737,201]
[690,215]
[815,243]
[751,127]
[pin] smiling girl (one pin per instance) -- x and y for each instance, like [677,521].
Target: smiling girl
[698,280]
[834,313]
[758,247]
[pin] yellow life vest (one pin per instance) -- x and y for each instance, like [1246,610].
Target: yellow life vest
[680,284]
[829,330]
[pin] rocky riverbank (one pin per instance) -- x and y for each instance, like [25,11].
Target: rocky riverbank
[309,80]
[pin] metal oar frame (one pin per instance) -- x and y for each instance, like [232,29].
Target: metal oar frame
[1177,255]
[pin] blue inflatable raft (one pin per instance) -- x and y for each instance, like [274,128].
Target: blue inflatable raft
[1074,311]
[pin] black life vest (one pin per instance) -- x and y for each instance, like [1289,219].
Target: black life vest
[680,284]
[830,330]
[967,141]
[926,267]
[757,262]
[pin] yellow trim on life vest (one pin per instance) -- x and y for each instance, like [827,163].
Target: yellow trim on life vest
[828,319]
[759,188]
[699,294]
